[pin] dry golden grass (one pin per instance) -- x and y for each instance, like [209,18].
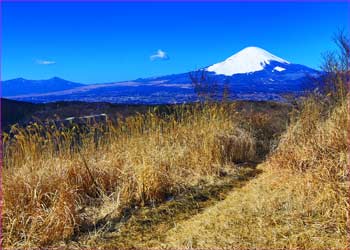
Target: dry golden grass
[56,183]
[276,210]
[300,201]
[147,226]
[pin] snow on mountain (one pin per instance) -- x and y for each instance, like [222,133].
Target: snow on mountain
[250,59]
[278,68]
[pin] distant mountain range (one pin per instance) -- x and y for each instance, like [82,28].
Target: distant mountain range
[252,74]
[21,86]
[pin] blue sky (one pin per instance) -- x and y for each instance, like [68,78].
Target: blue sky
[112,41]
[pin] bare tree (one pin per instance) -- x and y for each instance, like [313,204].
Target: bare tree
[207,88]
[336,65]
[343,43]
[204,86]
[226,91]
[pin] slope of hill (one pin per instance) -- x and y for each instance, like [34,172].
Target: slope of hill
[16,112]
[299,202]
[20,112]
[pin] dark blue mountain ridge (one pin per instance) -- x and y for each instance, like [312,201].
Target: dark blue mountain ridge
[21,86]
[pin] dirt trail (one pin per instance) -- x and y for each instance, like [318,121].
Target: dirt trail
[147,226]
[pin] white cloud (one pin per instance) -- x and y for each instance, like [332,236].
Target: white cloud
[161,55]
[45,62]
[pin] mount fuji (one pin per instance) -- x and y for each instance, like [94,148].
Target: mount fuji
[248,60]
[252,73]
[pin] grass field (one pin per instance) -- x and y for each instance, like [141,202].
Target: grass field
[58,180]
[185,178]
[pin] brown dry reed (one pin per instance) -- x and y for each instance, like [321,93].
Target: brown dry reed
[54,172]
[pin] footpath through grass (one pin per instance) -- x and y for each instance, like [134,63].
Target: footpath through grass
[147,226]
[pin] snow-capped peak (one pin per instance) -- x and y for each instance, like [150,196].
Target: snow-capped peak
[250,59]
